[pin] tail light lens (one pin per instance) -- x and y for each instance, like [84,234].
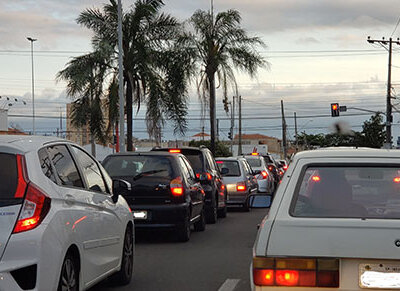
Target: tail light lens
[34,210]
[176,187]
[209,176]
[285,167]
[270,168]
[241,186]
[264,175]
[295,272]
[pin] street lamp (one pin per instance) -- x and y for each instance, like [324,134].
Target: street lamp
[33,84]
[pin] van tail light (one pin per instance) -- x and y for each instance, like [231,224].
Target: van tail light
[176,187]
[285,167]
[34,209]
[295,272]
[241,186]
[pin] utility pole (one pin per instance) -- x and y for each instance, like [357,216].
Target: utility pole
[32,40]
[121,83]
[284,145]
[217,129]
[240,126]
[295,131]
[389,117]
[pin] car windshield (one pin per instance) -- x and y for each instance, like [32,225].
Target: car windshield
[254,163]
[348,192]
[139,166]
[195,159]
[232,166]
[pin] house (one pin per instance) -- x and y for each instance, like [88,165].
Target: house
[274,144]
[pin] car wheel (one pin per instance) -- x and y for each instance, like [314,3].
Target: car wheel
[124,275]
[222,212]
[184,231]
[201,224]
[69,277]
[212,213]
[246,207]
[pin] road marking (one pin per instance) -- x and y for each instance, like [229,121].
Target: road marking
[229,285]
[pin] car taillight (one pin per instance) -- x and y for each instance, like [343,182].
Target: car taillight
[36,203]
[264,174]
[34,209]
[270,168]
[219,162]
[295,272]
[285,167]
[396,180]
[175,151]
[241,186]
[176,187]
[209,177]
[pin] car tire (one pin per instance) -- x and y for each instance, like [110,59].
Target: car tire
[201,224]
[124,275]
[69,277]
[183,231]
[246,207]
[212,213]
[222,212]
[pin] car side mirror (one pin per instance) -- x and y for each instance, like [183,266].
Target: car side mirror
[224,171]
[260,201]
[256,172]
[120,187]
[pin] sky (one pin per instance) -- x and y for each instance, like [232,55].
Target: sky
[317,53]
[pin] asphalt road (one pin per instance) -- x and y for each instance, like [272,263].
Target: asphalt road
[217,259]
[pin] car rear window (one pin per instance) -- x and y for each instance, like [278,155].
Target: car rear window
[195,158]
[254,163]
[348,192]
[232,166]
[8,176]
[139,166]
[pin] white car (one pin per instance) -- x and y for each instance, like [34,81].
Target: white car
[334,224]
[61,228]
[264,177]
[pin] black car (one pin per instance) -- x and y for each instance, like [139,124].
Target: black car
[165,191]
[206,169]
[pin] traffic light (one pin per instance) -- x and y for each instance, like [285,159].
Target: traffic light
[230,135]
[335,109]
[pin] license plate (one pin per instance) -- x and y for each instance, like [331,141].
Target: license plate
[379,276]
[140,215]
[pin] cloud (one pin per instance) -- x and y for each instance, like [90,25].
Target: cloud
[307,40]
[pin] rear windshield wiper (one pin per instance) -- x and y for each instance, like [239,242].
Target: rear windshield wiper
[138,176]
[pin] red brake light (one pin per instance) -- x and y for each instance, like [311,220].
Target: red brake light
[219,162]
[240,187]
[22,178]
[209,177]
[263,277]
[34,210]
[316,178]
[287,277]
[270,168]
[264,174]
[285,167]
[175,151]
[254,154]
[396,180]
[176,187]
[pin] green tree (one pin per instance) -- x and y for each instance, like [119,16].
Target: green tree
[221,149]
[218,46]
[374,133]
[154,67]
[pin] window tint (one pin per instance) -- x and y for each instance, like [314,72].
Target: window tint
[196,160]
[246,168]
[8,176]
[254,163]
[137,167]
[210,160]
[90,170]
[361,192]
[65,167]
[184,169]
[45,164]
[189,167]
[232,166]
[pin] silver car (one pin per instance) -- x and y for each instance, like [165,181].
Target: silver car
[264,177]
[239,180]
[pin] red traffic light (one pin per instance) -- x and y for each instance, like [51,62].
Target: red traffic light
[335,109]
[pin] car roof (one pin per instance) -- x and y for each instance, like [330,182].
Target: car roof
[349,152]
[27,143]
[180,148]
[153,153]
[229,159]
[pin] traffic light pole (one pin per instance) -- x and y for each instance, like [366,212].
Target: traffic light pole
[389,117]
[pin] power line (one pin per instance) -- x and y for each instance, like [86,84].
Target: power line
[398,21]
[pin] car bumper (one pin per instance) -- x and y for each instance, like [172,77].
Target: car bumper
[161,216]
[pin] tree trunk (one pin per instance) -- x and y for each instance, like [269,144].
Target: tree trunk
[129,105]
[93,144]
[211,81]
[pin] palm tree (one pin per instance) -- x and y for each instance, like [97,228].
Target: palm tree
[218,47]
[154,68]
[85,76]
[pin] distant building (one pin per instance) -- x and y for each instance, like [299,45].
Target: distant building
[201,136]
[12,131]
[274,144]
